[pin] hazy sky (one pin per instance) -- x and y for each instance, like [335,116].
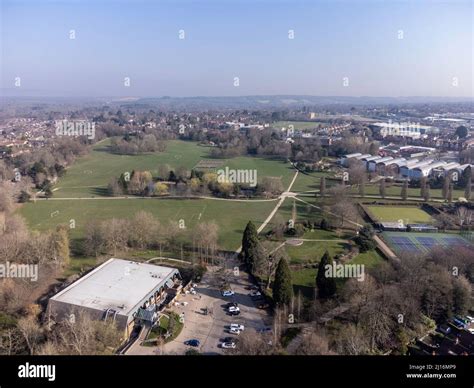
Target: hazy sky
[245,39]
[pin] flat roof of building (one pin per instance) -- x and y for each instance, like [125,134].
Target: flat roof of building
[117,284]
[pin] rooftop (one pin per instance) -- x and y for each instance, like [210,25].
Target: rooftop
[117,284]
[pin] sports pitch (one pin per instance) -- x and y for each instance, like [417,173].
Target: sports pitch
[416,243]
[230,216]
[409,214]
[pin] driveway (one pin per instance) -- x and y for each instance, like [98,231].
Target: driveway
[210,329]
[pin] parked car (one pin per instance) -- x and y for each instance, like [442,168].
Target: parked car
[471,319]
[233,330]
[232,304]
[471,330]
[445,329]
[233,313]
[228,293]
[233,308]
[228,345]
[457,323]
[254,294]
[463,320]
[193,342]
[237,326]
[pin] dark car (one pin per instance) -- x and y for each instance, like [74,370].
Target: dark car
[445,329]
[193,342]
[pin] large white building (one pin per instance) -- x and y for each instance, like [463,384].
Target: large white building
[119,290]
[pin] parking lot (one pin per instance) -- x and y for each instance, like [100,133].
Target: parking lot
[211,328]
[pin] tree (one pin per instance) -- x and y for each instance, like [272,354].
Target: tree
[322,186]
[404,193]
[427,192]
[249,243]
[282,286]
[24,197]
[461,132]
[60,245]
[423,182]
[142,230]
[161,188]
[114,188]
[362,187]
[271,185]
[450,193]
[467,191]
[324,224]
[365,238]
[446,184]
[326,285]
[205,237]
[314,344]
[31,332]
[461,295]
[48,193]
[382,189]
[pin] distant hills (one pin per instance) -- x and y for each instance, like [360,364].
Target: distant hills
[240,102]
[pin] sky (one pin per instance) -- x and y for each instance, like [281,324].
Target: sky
[231,48]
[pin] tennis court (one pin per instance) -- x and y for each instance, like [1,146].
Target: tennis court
[422,242]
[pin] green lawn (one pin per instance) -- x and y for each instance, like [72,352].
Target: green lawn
[370,259]
[163,326]
[231,217]
[304,279]
[409,214]
[312,251]
[90,175]
[310,181]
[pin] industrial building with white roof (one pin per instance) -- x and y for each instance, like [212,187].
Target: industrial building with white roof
[120,290]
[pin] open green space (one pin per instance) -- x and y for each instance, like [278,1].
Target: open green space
[409,214]
[304,279]
[370,259]
[310,182]
[230,216]
[312,251]
[90,175]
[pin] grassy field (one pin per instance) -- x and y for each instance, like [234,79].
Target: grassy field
[312,251]
[231,217]
[409,214]
[90,175]
[309,182]
[304,280]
